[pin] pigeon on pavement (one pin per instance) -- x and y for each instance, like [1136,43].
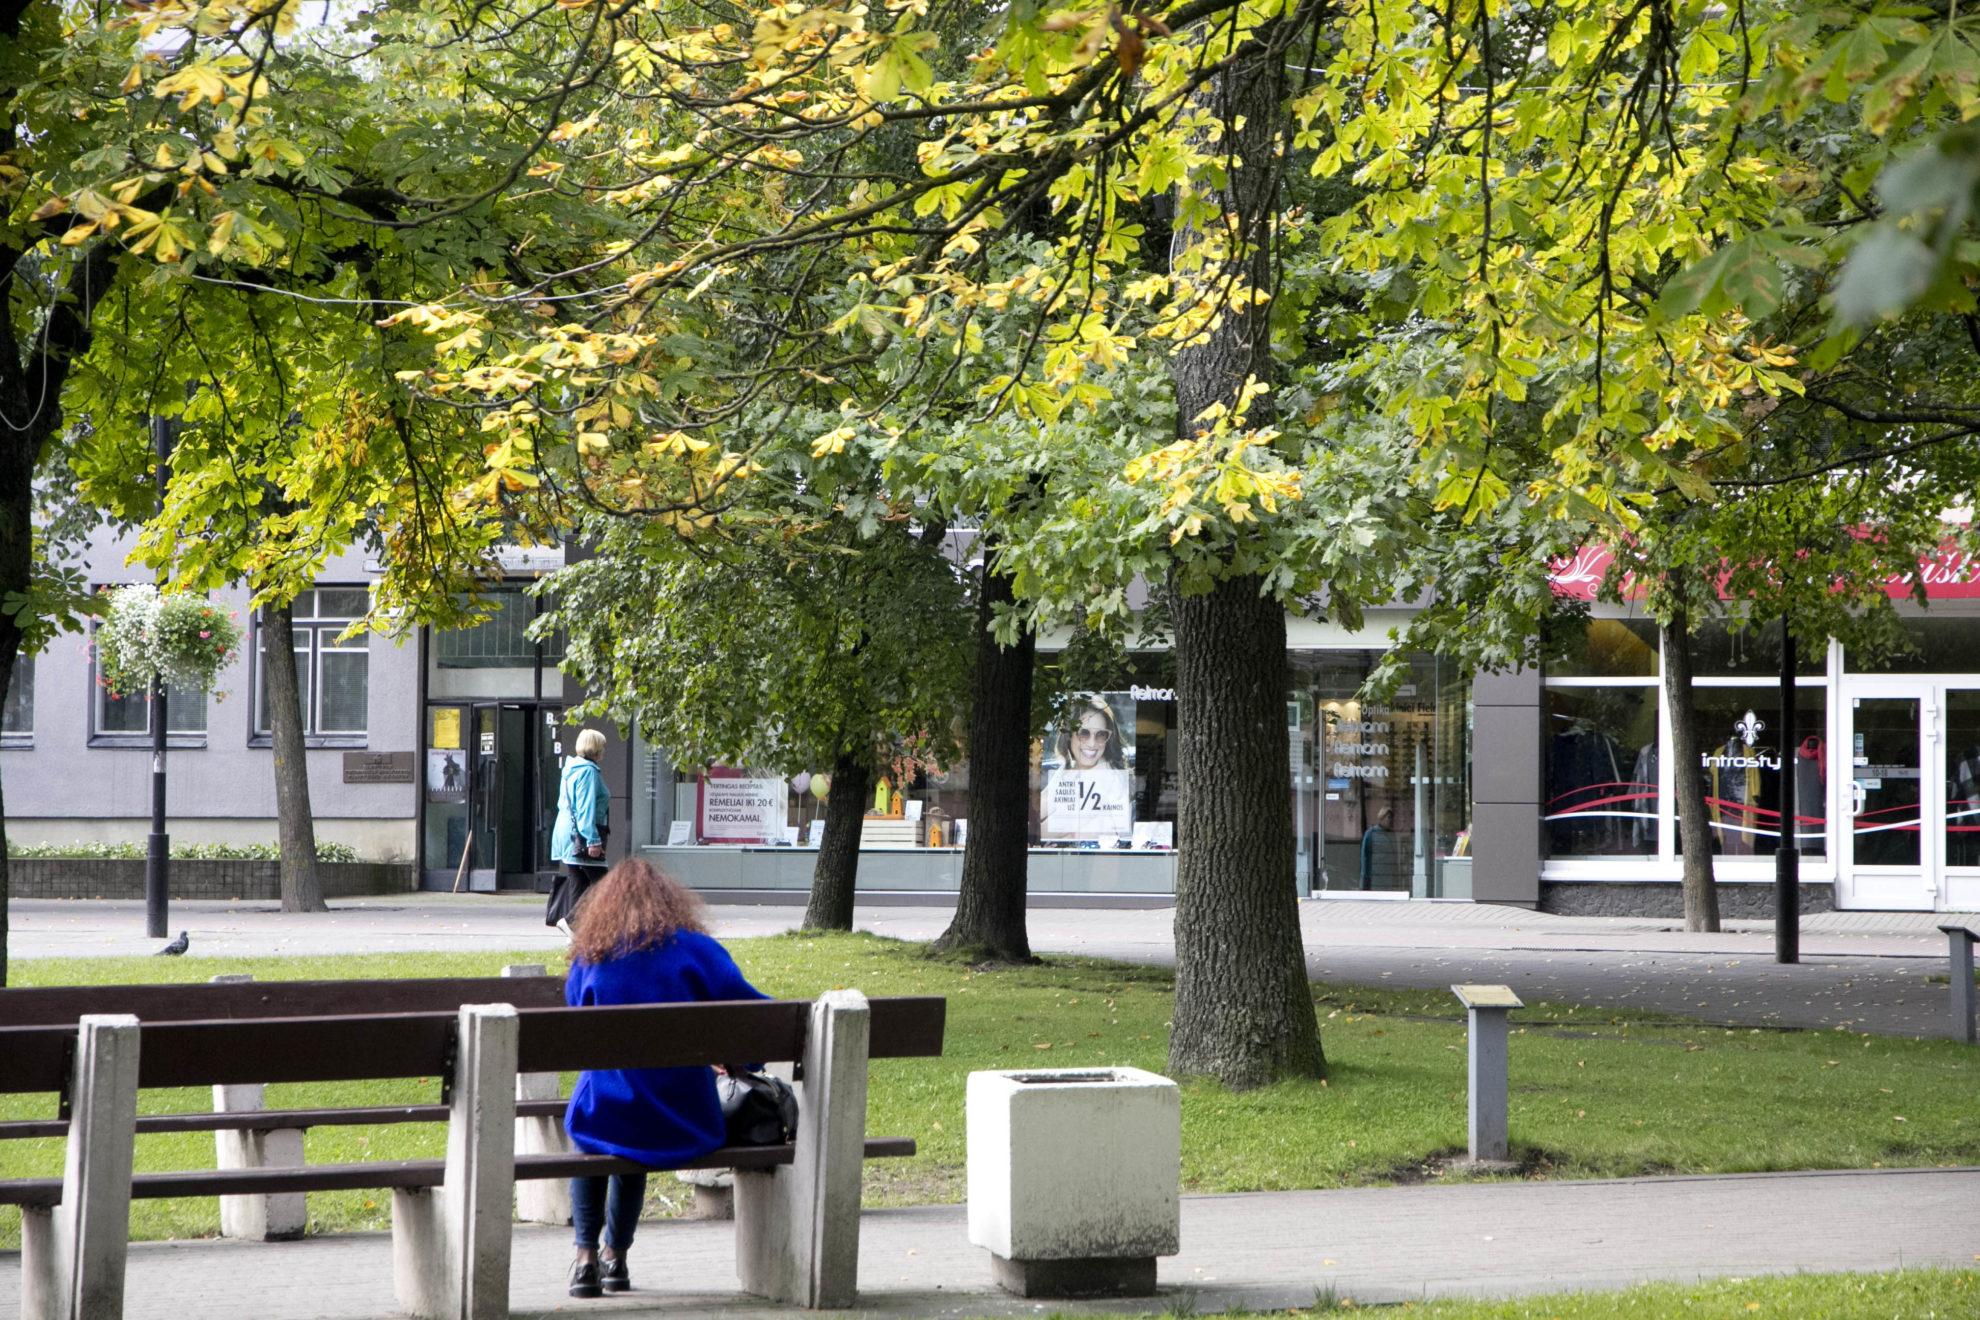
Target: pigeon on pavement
[176,947]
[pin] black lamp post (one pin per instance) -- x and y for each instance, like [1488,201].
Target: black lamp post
[157,851]
[1787,856]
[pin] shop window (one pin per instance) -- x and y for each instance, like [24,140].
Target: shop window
[1382,792]
[1723,648]
[1602,775]
[333,677]
[1940,646]
[17,717]
[1963,777]
[501,640]
[1610,648]
[1739,731]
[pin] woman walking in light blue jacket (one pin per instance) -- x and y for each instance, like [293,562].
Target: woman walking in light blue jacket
[578,838]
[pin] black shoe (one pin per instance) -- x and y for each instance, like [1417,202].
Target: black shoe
[612,1275]
[584,1279]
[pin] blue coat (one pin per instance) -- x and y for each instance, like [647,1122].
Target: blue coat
[661,1117]
[583,803]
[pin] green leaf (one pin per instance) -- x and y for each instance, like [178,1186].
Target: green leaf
[1888,272]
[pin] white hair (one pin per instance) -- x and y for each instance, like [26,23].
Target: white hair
[590,744]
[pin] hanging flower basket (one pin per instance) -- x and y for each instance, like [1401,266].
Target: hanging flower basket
[184,639]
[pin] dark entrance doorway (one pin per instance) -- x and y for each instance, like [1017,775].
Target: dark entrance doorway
[491,794]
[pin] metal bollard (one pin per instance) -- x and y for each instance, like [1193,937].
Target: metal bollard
[1961,958]
[1488,1005]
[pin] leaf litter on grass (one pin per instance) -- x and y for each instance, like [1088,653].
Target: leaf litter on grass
[1596,1092]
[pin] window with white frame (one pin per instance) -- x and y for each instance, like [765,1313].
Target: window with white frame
[17,717]
[1736,694]
[333,677]
[1605,746]
[1602,745]
[128,714]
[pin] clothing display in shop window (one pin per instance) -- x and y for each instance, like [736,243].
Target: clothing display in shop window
[1586,773]
[1811,795]
[1731,799]
[1643,830]
[1963,809]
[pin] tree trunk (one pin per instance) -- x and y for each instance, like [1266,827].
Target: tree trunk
[32,375]
[989,916]
[1701,898]
[833,879]
[1243,1008]
[16,574]
[302,891]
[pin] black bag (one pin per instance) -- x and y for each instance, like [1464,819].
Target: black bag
[566,890]
[761,1110]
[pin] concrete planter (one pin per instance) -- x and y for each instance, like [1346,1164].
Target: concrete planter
[1073,1178]
[91,877]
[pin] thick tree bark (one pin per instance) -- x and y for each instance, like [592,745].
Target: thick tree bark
[302,890]
[1243,1008]
[32,375]
[990,907]
[1701,898]
[837,871]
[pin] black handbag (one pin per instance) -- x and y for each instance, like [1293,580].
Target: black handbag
[565,891]
[761,1110]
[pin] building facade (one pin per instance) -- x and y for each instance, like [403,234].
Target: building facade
[1551,790]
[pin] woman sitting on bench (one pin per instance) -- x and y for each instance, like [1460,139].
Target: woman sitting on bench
[638,939]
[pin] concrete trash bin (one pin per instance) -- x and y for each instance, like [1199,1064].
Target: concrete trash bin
[1073,1178]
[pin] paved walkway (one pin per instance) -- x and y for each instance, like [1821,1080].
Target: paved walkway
[1262,1250]
[1862,971]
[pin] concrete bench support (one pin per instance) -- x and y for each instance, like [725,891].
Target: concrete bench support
[546,1200]
[72,1265]
[450,1245]
[797,1227]
[1488,1006]
[256,1218]
[1961,958]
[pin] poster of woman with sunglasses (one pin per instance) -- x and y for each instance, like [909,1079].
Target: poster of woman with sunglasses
[1087,763]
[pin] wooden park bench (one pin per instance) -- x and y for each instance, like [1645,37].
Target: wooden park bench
[797,1205]
[247,1134]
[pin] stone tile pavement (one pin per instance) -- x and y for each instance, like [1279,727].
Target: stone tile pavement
[1258,1250]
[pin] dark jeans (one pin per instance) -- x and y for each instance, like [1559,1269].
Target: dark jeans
[611,1202]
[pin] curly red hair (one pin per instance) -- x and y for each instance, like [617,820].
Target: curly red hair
[635,906]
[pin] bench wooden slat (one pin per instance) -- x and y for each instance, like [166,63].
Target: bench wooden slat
[602,1036]
[353,1048]
[907,1026]
[57,1005]
[409,1173]
[264,1120]
[296,1049]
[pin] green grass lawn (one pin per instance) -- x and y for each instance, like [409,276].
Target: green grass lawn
[1595,1093]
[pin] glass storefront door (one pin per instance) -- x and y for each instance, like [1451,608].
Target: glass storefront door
[1884,740]
[1959,829]
[491,794]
